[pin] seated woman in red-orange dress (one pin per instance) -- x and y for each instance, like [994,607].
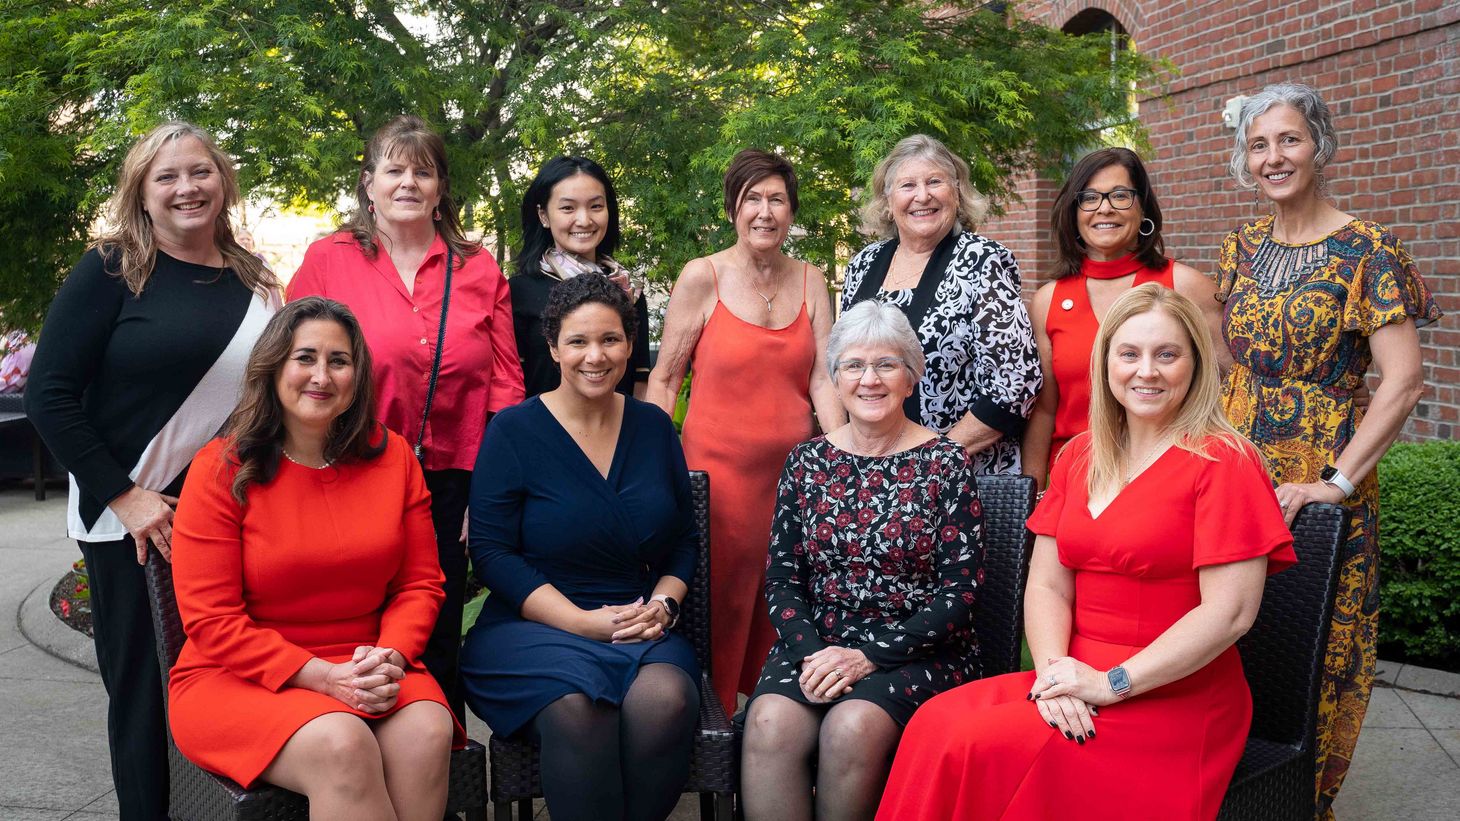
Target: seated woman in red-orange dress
[1153,542]
[307,580]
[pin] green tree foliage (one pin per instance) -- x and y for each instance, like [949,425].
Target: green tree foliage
[662,92]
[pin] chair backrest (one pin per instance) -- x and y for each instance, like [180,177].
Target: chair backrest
[166,623]
[1283,652]
[998,617]
[694,619]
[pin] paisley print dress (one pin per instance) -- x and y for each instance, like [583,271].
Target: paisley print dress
[883,554]
[1297,320]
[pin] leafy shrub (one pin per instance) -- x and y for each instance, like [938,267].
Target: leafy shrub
[1419,542]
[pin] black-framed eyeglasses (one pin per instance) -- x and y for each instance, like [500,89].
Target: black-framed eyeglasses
[884,368]
[1120,199]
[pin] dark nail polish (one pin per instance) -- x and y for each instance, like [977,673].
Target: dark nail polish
[1028,696]
[1092,733]
[1052,724]
[1067,734]
[1080,740]
[1094,712]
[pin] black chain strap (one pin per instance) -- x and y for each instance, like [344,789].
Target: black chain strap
[436,360]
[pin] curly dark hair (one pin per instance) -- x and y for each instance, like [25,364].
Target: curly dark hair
[255,430]
[573,293]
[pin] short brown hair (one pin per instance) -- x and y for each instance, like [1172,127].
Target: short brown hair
[751,166]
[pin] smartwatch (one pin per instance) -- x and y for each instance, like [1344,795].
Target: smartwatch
[1119,681]
[670,606]
[1333,476]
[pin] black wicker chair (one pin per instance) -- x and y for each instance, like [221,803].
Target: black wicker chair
[998,616]
[197,795]
[714,772]
[1283,658]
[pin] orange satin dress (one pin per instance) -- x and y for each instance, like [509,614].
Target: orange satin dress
[317,563]
[750,403]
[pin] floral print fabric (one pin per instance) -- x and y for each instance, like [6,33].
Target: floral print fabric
[883,554]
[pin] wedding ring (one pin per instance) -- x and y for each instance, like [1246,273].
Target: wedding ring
[837,671]
[1053,680]
[1283,505]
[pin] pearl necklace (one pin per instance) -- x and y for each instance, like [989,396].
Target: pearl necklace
[304,465]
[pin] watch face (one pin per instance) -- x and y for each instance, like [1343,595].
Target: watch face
[1119,680]
[1328,473]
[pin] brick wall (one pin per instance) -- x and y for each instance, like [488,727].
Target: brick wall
[1389,70]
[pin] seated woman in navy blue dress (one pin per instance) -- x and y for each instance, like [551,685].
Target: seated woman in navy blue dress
[581,527]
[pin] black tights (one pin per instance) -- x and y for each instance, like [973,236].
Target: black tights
[624,763]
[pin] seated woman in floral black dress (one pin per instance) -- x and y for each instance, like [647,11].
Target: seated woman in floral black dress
[876,553]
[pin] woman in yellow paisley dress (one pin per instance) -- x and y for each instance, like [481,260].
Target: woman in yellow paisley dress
[1312,297]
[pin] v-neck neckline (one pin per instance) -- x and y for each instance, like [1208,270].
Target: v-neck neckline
[618,444]
[1095,517]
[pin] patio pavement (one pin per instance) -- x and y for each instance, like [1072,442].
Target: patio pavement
[53,756]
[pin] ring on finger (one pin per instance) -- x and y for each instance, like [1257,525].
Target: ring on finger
[1053,679]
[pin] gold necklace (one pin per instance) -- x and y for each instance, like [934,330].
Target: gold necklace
[1137,467]
[902,281]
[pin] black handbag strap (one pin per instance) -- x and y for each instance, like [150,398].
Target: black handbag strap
[436,360]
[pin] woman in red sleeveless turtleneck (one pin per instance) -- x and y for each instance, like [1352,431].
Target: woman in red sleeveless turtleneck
[1108,225]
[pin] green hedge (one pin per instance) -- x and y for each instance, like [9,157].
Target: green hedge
[1419,542]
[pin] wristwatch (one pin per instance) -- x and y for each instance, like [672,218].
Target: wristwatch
[670,606]
[1333,476]
[1119,681]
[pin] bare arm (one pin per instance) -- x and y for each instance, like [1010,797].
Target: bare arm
[1401,384]
[1202,289]
[830,414]
[1049,603]
[1039,433]
[690,304]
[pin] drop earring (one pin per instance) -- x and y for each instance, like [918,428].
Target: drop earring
[371,207]
[436,214]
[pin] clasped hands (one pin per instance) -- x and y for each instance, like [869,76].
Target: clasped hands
[627,623]
[829,673]
[369,681]
[1069,694]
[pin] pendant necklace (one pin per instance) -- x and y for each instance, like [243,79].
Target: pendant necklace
[1136,467]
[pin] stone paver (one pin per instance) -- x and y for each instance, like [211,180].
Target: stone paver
[54,765]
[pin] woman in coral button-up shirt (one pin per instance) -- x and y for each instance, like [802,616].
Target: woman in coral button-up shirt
[389,264]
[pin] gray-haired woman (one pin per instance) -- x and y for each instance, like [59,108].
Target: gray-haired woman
[1313,297]
[876,553]
[960,292]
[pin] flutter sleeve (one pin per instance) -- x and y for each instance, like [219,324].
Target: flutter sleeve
[1387,288]
[1047,513]
[1005,358]
[788,574]
[207,574]
[1237,514]
[414,595]
[960,549]
[1227,267]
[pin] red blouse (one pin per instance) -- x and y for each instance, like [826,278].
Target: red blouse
[480,372]
[1071,326]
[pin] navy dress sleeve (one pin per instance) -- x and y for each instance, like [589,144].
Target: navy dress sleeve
[497,494]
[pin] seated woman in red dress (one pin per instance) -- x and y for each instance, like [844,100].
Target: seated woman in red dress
[1154,538]
[305,564]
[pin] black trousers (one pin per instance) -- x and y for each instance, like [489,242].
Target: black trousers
[449,492]
[126,653]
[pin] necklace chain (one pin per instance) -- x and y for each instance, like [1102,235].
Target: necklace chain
[326,464]
[1136,467]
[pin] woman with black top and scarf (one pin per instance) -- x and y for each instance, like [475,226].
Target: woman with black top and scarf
[570,227]
[140,362]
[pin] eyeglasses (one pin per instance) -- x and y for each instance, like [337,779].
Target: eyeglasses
[885,367]
[1120,199]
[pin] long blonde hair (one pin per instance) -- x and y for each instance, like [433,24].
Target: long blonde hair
[1200,419]
[128,240]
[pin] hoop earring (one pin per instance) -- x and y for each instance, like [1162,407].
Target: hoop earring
[1143,230]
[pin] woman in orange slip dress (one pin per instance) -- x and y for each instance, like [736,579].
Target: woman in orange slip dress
[753,322]
[1107,222]
[305,564]
[1153,542]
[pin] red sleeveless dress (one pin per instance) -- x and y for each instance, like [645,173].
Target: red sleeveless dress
[750,403]
[1071,326]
